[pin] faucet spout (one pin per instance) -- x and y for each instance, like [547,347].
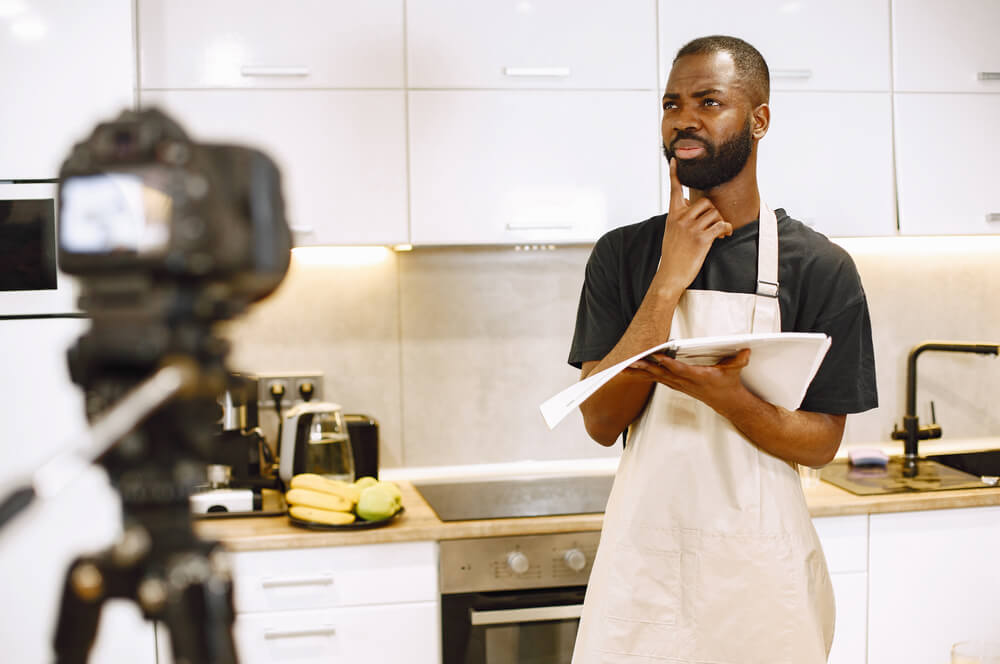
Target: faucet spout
[912,432]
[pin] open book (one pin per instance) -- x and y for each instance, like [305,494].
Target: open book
[782,365]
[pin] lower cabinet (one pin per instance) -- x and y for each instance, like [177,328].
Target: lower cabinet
[934,580]
[845,543]
[377,603]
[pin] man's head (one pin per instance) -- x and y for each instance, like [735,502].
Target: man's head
[715,110]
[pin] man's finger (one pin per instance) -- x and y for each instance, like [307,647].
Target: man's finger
[676,189]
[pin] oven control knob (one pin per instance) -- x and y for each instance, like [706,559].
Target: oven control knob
[575,560]
[517,562]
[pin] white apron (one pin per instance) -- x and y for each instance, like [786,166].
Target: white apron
[708,554]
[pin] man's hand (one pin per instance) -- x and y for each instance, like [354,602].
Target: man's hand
[712,385]
[691,229]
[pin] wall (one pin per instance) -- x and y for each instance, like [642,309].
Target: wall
[452,350]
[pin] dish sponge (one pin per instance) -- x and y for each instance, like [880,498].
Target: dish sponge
[868,456]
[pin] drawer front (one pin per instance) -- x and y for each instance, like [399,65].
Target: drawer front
[513,167]
[334,577]
[845,542]
[546,44]
[263,44]
[393,633]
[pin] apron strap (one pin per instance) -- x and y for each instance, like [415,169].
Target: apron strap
[766,312]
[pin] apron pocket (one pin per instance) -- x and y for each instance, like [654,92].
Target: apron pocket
[644,585]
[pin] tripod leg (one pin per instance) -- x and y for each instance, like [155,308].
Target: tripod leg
[199,610]
[84,592]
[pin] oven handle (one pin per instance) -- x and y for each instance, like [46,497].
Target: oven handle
[533,614]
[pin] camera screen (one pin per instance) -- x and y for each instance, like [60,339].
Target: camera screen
[114,213]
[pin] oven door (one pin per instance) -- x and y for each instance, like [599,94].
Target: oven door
[30,281]
[511,627]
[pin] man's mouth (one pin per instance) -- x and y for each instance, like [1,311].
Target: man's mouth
[687,148]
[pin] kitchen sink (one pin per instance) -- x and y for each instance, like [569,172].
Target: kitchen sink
[981,464]
[937,473]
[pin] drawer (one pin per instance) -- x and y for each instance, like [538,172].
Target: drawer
[335,576]
[393,633]
[263,44]
[845,542]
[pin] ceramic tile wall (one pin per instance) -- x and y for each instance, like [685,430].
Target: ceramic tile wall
[452,350]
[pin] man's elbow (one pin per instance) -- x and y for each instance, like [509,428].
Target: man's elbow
[601,429]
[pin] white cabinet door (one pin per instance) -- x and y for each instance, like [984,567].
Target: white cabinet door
[808,44]
[265,44]
[850,634]
[512,167]
[545,44]
[934,581]
[67,65]
[387,633]
[827,159]
[946,46]
[947,163]
[342,153]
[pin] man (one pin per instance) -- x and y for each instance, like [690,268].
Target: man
[708,553]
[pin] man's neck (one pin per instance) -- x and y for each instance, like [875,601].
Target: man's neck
[738,201]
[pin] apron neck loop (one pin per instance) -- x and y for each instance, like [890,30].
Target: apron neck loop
[766,313]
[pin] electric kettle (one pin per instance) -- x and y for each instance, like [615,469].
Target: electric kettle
[315,439]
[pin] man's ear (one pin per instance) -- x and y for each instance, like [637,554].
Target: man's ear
[761,121]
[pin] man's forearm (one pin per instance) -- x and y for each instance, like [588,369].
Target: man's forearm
[799,436]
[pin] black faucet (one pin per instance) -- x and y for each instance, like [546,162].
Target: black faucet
[912,432]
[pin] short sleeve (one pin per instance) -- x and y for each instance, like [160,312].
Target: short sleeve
[600,322]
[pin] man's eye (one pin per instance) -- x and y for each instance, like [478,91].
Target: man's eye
[711,102]
[669,105]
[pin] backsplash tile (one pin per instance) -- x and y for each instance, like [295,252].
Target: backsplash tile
[452,349]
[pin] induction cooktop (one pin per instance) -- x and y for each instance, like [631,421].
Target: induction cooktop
[520,497]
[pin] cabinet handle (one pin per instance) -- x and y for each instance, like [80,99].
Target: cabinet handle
[539,227]
[300,581]
[989,76]
[993,217]
[533,614]
[791,73]
[325,630]
[536,71]
[274,71]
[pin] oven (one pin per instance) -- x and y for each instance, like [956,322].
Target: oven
[31,284]
[515,599]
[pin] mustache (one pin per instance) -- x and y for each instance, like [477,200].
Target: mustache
[682,135]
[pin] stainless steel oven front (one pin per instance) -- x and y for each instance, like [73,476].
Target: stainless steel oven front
[514,600]
[30,281]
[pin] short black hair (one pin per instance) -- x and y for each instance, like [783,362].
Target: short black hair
[750,64]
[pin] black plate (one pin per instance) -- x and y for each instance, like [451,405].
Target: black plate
[359,524]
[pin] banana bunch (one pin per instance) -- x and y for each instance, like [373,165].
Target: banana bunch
[319,499]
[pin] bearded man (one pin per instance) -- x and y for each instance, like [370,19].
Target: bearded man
[708,553]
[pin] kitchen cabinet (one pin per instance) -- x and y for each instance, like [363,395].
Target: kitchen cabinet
[354,603]
[827,159]
[513,167]
[934,581]
[67,66]
[316,84]
[570,44]
[946,47]
[808,45]
[845,544]
[946,146]
[264,44]
[341,153]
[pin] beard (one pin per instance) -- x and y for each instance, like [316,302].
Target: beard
[719,165]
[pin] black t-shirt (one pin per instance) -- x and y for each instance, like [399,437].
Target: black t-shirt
[820,291]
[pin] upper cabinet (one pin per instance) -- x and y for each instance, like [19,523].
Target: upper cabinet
[316,84]
[263,44]
[808,44]
[550,44]
[67,65]
[946,46]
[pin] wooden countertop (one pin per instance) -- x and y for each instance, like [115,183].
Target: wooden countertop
[419,522]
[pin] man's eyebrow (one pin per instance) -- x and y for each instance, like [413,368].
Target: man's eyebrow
[700,93]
